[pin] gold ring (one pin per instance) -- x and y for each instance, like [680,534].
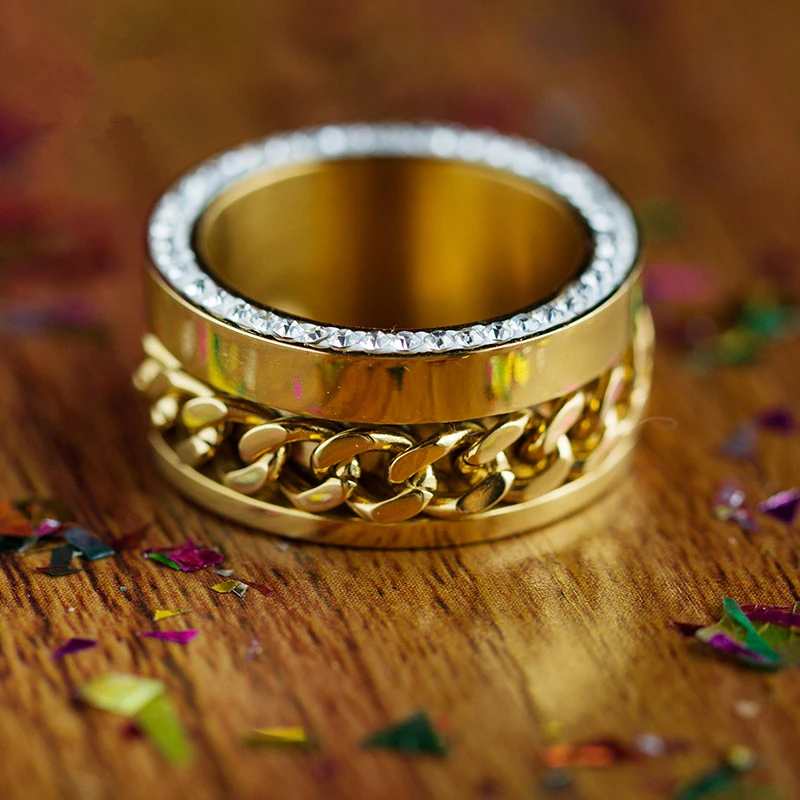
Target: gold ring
[394,335]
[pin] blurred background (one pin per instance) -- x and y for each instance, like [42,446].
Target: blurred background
[691,109]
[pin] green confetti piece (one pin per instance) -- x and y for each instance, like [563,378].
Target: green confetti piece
[753,639]
[413,735]
[712,783]
[165,560]
[160,723]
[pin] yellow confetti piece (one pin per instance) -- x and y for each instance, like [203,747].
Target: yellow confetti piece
[160,723]
[296,736]
[225,586]
[120,693]
[162,613]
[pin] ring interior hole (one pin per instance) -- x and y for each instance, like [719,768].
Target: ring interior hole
[392,243]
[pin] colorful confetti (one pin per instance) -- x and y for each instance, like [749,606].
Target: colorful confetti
[90,546]
[292,737]
[259,587]
[143,700]
[730,504]
[415,734]
[772,645]
[58,572]
[782,506]
[178,637]
[163,613]
[71,646]
[223,573]
[187,557]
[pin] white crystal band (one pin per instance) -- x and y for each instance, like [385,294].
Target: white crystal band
[608,218]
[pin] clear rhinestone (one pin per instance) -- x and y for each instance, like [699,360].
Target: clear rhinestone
[331,141]
[471,337]
[443,142]
[241,314]
[439,340]
[344,339]
[526,324]
[406,341]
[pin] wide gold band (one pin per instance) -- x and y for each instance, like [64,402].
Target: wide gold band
[371,346]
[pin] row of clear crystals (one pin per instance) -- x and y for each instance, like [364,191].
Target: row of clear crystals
[607,216]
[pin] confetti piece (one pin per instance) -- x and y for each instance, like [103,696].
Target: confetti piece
[61,556]
[74,645]
[188,557]
[120,693]
[163,613]
[225,586]
[742,444]
[178,637]
[58,572]
[240,590]
[782,506]
[90,546]
[259,587]
[730,504]
[785,616]
[47,527]
[588,754]
[680,283]
[223,573]
[163,559]
[292,737]
[778,420]
[159,721]
[753,639]
[725,643]
[415,734]
[746,709]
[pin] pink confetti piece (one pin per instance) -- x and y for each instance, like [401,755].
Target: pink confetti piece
[47,527]
[71,646]
[178,637]
[188,556]
[784,616]
[730,504]
[782,506]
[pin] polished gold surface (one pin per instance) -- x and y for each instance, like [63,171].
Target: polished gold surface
[393,389]
[383,486]
[391,243]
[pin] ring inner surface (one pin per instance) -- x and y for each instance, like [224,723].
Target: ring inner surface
[391,243]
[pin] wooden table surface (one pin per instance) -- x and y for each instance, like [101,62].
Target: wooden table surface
[101,105]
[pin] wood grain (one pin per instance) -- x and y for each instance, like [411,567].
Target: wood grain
[695,101]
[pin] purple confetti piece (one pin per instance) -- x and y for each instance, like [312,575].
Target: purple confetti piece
[178,637]
[779,420]
[74,645]
[741,444]
[783,505]
[729,646]
[784,616]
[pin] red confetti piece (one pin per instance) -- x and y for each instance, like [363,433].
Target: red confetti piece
[178,637]
[259,587]
[131,540]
